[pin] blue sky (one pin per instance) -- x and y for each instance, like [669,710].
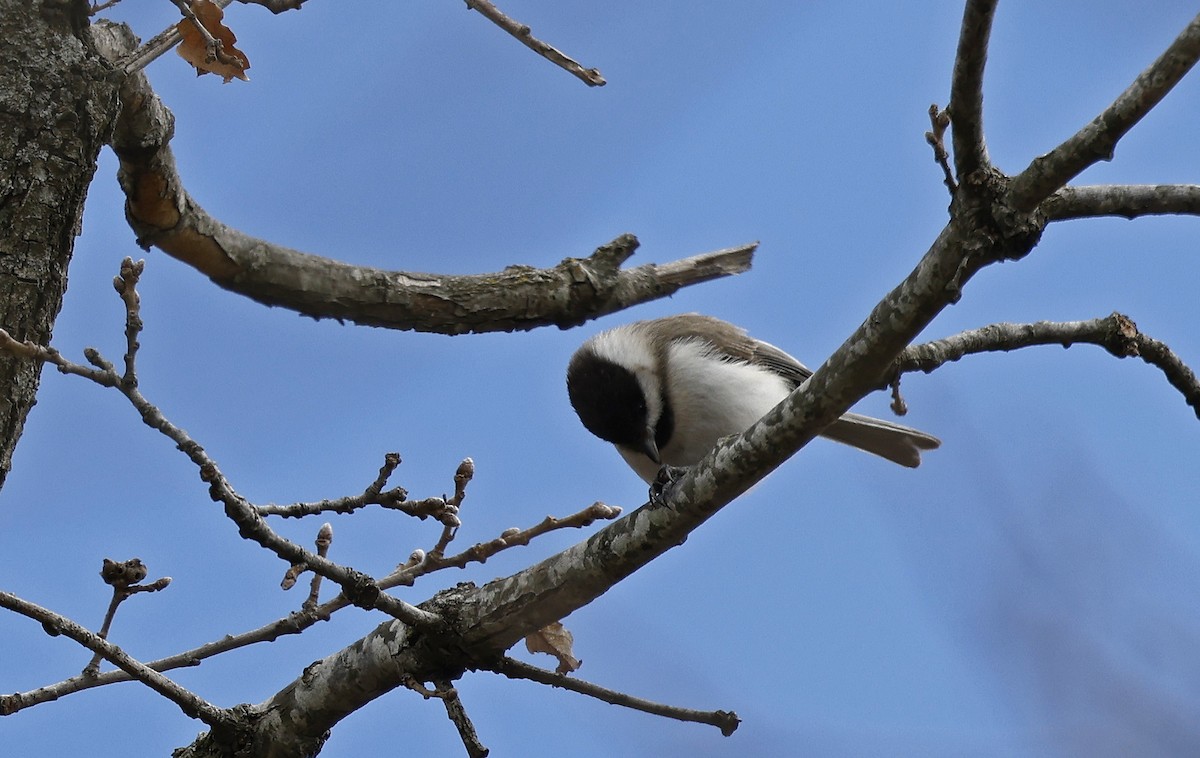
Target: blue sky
[1031,589]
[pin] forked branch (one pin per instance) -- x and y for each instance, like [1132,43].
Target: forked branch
[1098,140]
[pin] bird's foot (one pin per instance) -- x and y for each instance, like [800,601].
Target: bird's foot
[661,486]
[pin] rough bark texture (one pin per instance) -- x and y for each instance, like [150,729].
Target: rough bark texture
[57,104]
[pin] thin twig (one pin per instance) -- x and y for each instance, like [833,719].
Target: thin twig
[393,499]
[213,45]
[936,137]
[324,540]
[126,286]
[27,349]
[589,76]
[450,524]
[726,721]
[480,552]
[420,688]
[462,722]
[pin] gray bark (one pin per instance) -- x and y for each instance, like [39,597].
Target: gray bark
[57,104]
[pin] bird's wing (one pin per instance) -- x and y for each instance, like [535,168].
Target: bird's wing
[775,360]
[733,343]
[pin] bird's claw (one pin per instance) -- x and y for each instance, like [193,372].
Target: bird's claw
[660,487]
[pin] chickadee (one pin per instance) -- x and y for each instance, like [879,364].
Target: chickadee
[664,391]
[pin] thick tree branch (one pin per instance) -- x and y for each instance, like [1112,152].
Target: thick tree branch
[1125,200]
[1117,334]
[162,214]
[1097,141]
[966,88]
[588,76]
[56,111]
[189,703]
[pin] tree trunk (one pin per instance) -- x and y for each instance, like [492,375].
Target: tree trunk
[57,103]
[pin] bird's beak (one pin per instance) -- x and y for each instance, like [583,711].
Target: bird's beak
[649,447]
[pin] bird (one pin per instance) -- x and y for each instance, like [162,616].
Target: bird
[663,391]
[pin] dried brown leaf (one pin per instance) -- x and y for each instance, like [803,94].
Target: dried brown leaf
[228,61]
[556,640]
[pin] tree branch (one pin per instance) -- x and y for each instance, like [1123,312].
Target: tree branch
[966,88]
[588,76]
[457,714]
[726,721]
[1097,141]
[1117,334]
[164,215]
[192,705]
[1125,200]
[393,499]
[292,624]
[480,552]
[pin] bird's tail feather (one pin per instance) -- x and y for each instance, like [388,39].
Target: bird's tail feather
[898,443]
